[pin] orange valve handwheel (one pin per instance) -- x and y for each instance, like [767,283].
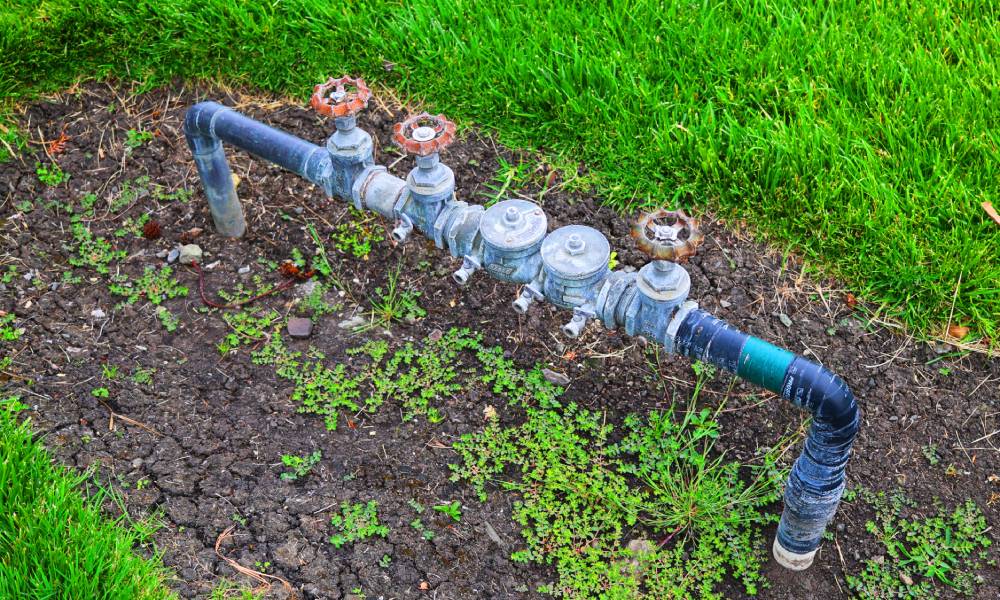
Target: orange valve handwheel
[667,234]
[424,134]
[342,97]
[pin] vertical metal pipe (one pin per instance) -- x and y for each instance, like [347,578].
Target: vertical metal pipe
[216,178]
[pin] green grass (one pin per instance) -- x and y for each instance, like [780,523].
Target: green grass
[54,541]
[856,133]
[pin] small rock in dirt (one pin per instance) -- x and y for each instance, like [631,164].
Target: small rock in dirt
[188,236]
[299,327]
[555,378]
[785,319]
[98,313]
[640,547]
[435,335]
[493,535]
[298,210]
[725,303]
[54,286]
[243,270]
[190,253]
[942,348]
[162,254]
[173,255]
[304,290]
[840,528]
[355,321]
[211,266]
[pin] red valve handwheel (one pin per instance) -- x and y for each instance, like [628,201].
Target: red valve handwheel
[341,97]
[667,234]
[424,134]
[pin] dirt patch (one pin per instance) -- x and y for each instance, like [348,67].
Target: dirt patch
[201,445]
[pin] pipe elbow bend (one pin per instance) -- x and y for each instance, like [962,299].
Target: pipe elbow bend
[827,397]
[198,117]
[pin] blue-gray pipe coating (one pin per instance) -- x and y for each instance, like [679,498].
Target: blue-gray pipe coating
[816,481]
[207,124]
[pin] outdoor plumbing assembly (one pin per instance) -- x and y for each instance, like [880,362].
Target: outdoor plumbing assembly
[567,267]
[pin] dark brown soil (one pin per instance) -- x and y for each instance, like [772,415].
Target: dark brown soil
[208,435]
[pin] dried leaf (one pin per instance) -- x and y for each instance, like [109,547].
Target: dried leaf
[992,212]
[958,331]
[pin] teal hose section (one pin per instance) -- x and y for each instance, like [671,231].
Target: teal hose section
[764,364]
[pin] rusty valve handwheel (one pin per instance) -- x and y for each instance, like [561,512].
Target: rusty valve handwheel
[341,97]
[424,134]
[667,234]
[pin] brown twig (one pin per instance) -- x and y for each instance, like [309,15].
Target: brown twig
[262,578]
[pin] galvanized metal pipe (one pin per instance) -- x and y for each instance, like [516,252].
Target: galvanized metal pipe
[208,124]
[510,246]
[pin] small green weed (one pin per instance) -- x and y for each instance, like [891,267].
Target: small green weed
[315,305]
[385,561]
[12,141]
[357,233]
[946,548]
[8,275]
[8,332]
[101,392]
[930,452]
[413,376]
[248,328]
[155,285]
[453,509]
[425,533]
[143,376]
[109,372]
[25,206]
[93,252]
[167,319]
[508,176]
[135,138]
[131,191]
[51,175]
[132,227]
[300,465]
[356,522]
[394,303]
